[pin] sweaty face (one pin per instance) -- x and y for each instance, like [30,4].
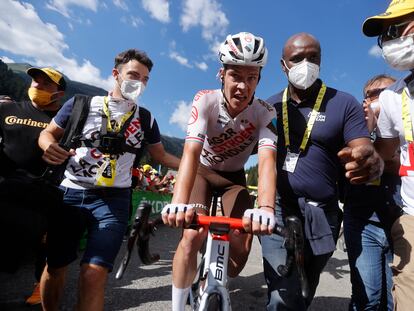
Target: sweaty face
[299,48]
[239,86]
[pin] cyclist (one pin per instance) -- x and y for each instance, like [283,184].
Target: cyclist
[224,127]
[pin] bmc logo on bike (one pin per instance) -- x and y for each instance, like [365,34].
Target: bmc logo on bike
[219,262]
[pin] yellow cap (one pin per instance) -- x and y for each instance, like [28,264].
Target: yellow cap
[376,25]
[53,74]
[146,168]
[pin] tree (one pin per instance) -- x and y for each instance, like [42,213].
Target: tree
[11,84]
[252,175]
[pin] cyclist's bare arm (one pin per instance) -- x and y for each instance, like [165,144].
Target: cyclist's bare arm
[267,180]
[184,184]
[159,155]
[48,142]
[266,190]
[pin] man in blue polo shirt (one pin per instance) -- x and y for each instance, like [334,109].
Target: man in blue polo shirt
[315,123]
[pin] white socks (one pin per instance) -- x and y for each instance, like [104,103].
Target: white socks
[179,298]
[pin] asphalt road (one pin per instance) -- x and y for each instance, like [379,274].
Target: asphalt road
[149,287]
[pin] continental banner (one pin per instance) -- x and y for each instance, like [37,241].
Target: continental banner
[157,201]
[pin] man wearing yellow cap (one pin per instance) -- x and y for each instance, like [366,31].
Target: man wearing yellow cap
[22,122]
[23,203]
[395,31]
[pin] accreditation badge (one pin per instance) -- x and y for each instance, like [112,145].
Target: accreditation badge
[105,176]
[376,182]
[290,162]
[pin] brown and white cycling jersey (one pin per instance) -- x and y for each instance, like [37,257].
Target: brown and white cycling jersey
[228,142]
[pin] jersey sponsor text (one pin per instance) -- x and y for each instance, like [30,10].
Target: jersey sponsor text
[12,120]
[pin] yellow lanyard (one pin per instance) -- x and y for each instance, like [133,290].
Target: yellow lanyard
[106,172]
[406,116]
[311,120]
[118,125]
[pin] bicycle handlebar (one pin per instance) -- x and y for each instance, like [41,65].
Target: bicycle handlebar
[291,232]
[233,223]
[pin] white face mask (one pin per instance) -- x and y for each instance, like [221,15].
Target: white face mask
[399,53]
[132,89]
[374,105]
[303,75]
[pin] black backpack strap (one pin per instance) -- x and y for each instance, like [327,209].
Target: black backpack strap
[145,118]
[76,122]
[71,136]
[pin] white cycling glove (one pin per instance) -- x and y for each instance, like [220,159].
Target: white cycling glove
[174,208]
[261,216]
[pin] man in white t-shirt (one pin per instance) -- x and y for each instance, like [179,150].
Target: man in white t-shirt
[97,181]
[395,31]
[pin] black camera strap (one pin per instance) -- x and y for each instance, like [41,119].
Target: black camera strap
[73,131]
[120,134]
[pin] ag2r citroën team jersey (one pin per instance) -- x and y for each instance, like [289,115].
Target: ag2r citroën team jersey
[228,142]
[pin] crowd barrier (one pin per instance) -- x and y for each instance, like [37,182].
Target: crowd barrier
[157,201]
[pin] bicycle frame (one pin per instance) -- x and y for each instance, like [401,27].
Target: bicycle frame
[215,261]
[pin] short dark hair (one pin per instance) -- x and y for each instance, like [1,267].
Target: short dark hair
[377,78]
[128,55]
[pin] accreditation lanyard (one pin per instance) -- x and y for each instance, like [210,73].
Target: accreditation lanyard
[106,172]
[118,125]
[311,120]
[408,135]
[292,158]
[406,116]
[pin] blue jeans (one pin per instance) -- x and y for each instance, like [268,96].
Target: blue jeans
[284,293]
[103,212]
[370,255]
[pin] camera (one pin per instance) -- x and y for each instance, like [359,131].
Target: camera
[112,143]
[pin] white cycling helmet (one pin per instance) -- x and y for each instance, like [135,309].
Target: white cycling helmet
[244,49]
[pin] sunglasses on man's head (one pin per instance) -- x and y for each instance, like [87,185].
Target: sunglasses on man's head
[392,32]
[373,93]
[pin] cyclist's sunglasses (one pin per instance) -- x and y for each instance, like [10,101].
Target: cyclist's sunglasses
[373,93]
[392,32]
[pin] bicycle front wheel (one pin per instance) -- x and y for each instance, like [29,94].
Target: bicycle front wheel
[213,302]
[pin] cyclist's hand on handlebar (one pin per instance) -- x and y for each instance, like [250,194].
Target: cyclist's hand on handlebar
[177,214]
[259,220]
[55,154]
